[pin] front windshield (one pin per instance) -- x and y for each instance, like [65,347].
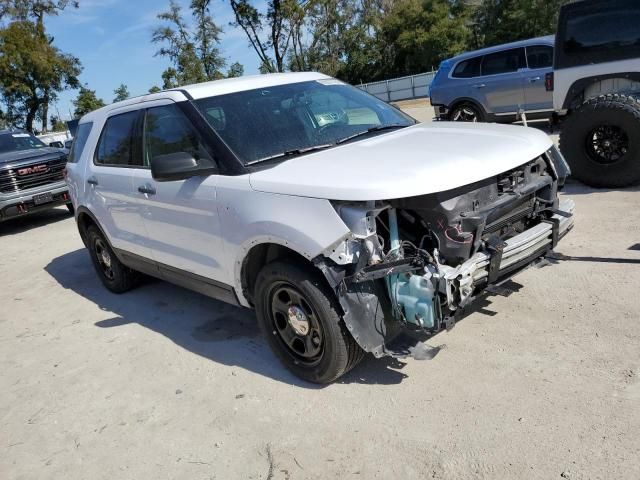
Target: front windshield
[294,118]
[15,142]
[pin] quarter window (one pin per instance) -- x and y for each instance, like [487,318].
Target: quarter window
[167,130]
[603,30]
[468,68]
[116,142]
[79,141]
[539,56]
[508,61]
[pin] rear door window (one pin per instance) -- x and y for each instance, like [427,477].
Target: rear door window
[539,56]
[467,68]
[508,61]
[116,145]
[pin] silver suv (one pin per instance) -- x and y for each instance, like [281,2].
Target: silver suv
[341,220]
[495,84]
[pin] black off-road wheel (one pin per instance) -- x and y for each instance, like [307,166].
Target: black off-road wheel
[300,317]
[601,141]
[117,277]
[466,112]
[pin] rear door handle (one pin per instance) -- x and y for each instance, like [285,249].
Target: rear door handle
[147,189]
[479,85]
[92,181]
[534,79]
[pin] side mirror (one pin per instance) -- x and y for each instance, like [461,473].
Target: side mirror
[179,166]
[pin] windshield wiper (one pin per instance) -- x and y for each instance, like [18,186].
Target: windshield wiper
[295,151]
[378,128]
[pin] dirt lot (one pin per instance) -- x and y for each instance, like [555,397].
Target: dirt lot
[164,383]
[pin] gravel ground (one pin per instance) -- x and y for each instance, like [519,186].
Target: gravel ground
[164,383]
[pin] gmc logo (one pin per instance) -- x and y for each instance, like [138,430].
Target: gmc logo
[35,169]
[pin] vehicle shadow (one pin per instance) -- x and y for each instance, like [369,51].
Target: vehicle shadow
[574,187]
[214,330]
[17,225]
[557,257]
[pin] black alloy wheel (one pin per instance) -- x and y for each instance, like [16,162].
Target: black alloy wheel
[607,144]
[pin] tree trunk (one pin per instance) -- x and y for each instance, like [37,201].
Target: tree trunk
[45,110]
[31,116]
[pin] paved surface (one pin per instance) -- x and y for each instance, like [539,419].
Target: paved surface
[164,383]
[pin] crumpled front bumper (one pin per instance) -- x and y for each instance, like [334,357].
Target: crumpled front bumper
[516,253]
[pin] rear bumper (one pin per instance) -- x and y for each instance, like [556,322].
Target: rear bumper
[441,112]
[22,203]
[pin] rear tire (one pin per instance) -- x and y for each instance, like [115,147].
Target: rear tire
[601,141]
[466,112]
[114,275]
[299,316]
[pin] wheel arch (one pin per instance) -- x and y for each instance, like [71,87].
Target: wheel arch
[576,93]
[261,254]
[85,219]
[474,102]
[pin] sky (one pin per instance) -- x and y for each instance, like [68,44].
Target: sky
[112,39]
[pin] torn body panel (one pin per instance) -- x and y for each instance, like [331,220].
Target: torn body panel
[415,263]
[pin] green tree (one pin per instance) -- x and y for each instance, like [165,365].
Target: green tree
[121,93]
[235,70]
[86,101]
[192,50]
[503,21]
[421,33]
[36,10]
[155,89]
[269,33]
[32,70]
[57,125]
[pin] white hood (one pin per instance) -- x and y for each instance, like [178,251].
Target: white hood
[421,159]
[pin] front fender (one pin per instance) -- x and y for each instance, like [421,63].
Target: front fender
[308,226]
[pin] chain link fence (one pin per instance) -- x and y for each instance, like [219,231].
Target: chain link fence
[402,88]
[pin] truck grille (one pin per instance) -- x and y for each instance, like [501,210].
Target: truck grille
[30,176]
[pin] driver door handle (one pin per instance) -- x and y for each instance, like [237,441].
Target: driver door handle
[534,79]
[92,181]
[479,85]
[147,189]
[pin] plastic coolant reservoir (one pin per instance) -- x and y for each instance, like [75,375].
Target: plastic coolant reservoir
[415,295]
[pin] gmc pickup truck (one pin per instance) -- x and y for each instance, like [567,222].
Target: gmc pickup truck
[31,175]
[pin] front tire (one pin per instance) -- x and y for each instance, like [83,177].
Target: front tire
[114,275]
[601,141]
[299,315]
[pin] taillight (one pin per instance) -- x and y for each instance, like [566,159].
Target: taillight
[548,82]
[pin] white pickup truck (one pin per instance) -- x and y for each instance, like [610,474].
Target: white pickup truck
[341,220]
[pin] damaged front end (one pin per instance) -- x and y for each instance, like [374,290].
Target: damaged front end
[415,263]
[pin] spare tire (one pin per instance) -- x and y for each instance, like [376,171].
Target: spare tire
[601,141]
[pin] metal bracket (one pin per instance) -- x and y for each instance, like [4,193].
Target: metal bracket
[562,213]
[555,228]
[495,247]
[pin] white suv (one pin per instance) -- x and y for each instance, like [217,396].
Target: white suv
[342,221]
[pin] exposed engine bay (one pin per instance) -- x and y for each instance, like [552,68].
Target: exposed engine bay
[415,263]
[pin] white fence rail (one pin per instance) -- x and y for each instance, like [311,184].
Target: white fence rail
[403,88]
